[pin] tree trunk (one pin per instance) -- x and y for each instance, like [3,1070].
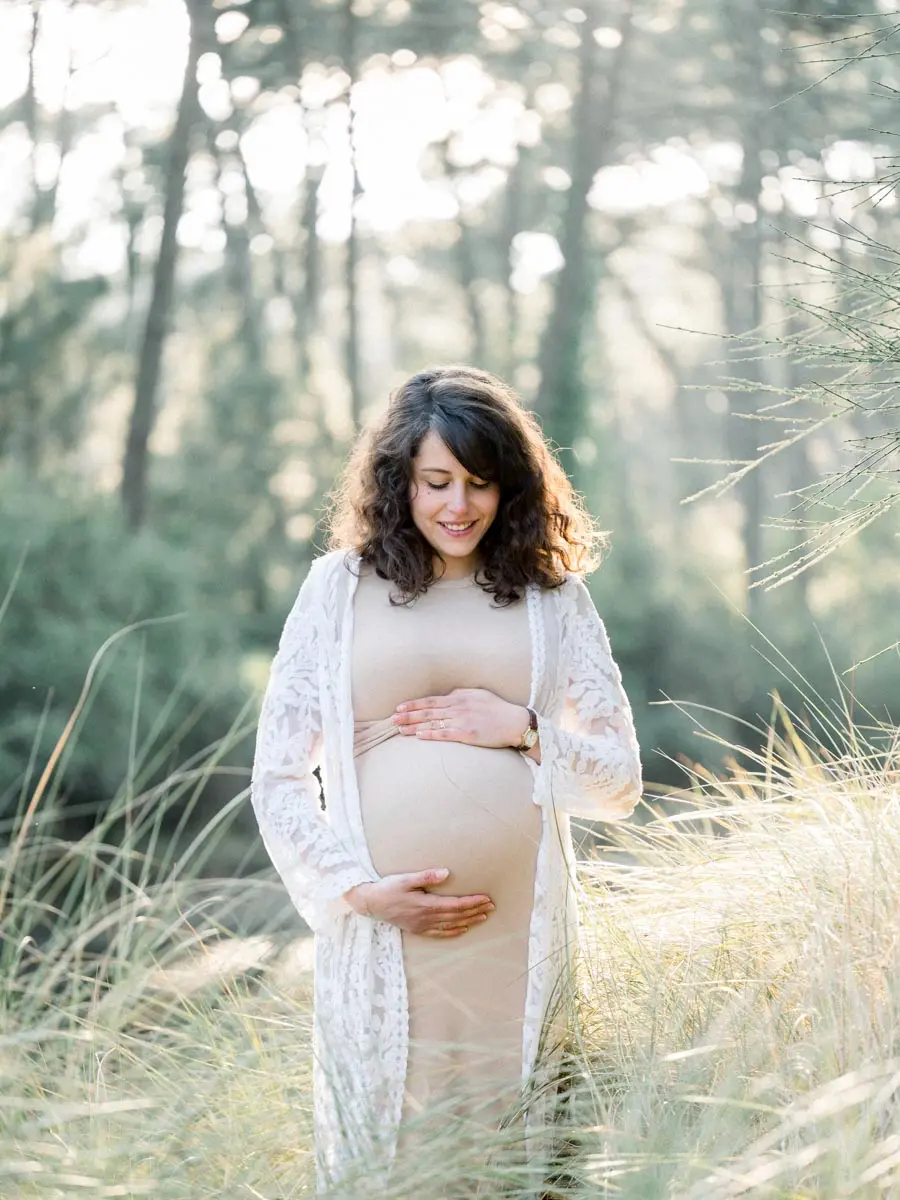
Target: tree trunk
[466,270]
[30,107]
[30,415]
[305,300]
[309,301]
[743,307]
[44,205]
[351,262]
[514,220]
[33,414]
[562,399]
[239,272]
[143,412]
[796,375]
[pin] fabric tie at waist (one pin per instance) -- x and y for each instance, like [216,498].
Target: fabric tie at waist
[367,734]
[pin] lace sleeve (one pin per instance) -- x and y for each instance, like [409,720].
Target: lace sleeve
[315,865]
[590,762]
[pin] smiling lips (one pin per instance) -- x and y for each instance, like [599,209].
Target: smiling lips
[457,529]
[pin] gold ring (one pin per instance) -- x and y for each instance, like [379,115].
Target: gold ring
[442,723]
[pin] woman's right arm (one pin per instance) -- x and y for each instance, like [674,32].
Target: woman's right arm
[317,867]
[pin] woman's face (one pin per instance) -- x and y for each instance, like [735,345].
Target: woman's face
[452,509]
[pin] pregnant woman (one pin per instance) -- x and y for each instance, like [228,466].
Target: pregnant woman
[446,668]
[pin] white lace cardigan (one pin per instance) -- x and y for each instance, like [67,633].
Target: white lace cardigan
[589,767]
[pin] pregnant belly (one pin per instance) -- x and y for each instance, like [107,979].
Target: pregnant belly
[444,804]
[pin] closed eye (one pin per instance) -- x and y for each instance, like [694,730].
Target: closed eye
[439,487]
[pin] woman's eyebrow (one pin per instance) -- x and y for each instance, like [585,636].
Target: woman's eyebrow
[444,471]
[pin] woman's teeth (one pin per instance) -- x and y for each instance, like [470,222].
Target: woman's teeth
[457,530]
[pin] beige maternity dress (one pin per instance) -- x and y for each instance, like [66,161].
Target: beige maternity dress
[447,804]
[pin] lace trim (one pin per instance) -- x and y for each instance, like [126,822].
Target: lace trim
[388,1021]
[538,643]
[536,987]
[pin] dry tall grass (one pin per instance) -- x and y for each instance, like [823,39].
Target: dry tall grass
[740,1012]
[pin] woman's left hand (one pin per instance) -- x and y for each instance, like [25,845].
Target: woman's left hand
[471,715]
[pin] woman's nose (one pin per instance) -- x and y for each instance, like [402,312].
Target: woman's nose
[457,500]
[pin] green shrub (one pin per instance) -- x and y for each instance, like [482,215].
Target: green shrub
[164,689]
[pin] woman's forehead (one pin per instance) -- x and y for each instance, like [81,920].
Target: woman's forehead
[434,453]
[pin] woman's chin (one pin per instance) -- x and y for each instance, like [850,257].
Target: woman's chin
[451,547]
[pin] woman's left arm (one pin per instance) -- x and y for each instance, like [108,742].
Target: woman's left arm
[587,756]
[590,760]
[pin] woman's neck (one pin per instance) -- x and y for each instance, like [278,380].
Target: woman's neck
[455,568]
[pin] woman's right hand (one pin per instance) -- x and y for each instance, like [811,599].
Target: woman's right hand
[402,900]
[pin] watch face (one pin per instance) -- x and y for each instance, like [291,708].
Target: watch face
[529,738]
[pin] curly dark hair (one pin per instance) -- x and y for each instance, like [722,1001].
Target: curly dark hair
[541,530]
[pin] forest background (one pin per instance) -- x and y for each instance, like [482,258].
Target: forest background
[228,229]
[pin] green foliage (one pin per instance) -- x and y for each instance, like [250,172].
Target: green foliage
[43,311]
[689,656]
[671,644]
[163,691]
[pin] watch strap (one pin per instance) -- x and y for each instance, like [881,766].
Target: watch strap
[531,727]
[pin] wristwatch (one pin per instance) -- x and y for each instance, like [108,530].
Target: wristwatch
[530,736]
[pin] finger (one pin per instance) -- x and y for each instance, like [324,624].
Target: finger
[451,920]
[421,715]
[423,879]
[453,731]
[412,718]
[451,906]
[455,903]
[442,735]
[422,702]
[446,926]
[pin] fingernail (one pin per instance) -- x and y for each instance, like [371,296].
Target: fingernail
[401,708]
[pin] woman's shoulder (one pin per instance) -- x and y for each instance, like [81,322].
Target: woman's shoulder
[330,561]
[574,598]
[324,573]
[573,587]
